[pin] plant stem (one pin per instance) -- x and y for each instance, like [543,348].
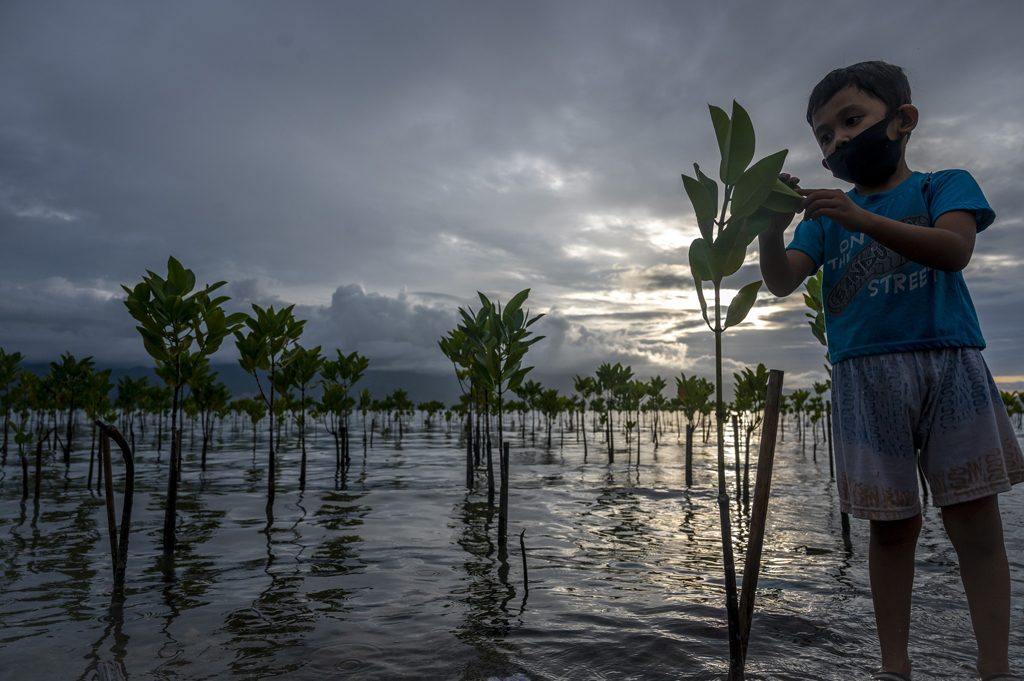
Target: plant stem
[731,601]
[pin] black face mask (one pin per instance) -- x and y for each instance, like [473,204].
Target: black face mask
[869,159]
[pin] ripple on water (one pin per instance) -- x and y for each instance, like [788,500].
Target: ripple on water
[391,571]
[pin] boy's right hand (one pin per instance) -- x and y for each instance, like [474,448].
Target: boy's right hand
[781,221]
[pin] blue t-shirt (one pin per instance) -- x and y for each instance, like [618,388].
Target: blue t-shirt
[876,301]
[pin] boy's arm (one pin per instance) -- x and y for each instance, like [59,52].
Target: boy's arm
[782,270]
[947,246]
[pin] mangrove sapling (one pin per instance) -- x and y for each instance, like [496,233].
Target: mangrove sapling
[269,346]
[459,351]
[636,391]
[501,340]
[339,376]
[751,393]
[209,397]
[69,379]
[257,411]
[10,374]
[813,300]
[171,322]
[39,465]
[548,405]
[655,389]
[365,406]
[799,400]
[96,402]
[334,402]
[750,196]
[159,399]
[693,393]
[300,374]
[22,436]
[461,347]
[612,381]
[585,387]
[402,405]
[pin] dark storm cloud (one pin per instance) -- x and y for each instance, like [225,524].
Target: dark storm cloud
[333,155]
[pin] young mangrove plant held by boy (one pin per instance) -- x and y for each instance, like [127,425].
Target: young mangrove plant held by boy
[750,197]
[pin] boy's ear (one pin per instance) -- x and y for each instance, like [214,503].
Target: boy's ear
[906,119]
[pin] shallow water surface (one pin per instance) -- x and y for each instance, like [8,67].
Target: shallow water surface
[389,570]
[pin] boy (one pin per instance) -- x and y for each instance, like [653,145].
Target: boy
[906,348]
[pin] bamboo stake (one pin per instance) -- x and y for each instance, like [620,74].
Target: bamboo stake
[736,449]
[762,487]
[469,451]
[828,437]
[39,466]
[503,502]
[108,484]
[526,574]
[121,564]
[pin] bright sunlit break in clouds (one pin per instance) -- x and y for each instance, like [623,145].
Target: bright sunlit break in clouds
[378,163]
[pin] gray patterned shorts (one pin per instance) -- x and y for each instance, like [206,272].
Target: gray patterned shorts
[940,405]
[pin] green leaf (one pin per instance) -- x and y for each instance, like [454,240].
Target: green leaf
[739,145]
[813,285]
[176,275]
[756,223]
[727,257]
[707,231]
[703,303]
[741,304]
[729,250]
[703,205]
[720,120]
[818,329]
[754,185]
[782,199]
[700,260]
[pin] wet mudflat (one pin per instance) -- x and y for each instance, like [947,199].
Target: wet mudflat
[389,571]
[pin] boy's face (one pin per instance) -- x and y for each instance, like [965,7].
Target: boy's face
[850,112]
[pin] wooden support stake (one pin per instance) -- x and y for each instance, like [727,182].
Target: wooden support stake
[503,501]
[108,483]
[526,575]
[121,563]
[39,466]
[762,487]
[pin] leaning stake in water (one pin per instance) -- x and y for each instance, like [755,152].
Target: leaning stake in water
[762,486]
[121,562]
[526,575]
[108,482]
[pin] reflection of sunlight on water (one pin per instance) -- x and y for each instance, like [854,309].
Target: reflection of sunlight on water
[391,570]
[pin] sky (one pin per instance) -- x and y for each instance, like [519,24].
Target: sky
[378,163]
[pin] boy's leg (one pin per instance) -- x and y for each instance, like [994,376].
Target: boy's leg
[891,567]
[976,531]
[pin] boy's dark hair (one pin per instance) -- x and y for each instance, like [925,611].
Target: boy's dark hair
[882,81]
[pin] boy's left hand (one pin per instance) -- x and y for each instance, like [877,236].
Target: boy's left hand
[833,204]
